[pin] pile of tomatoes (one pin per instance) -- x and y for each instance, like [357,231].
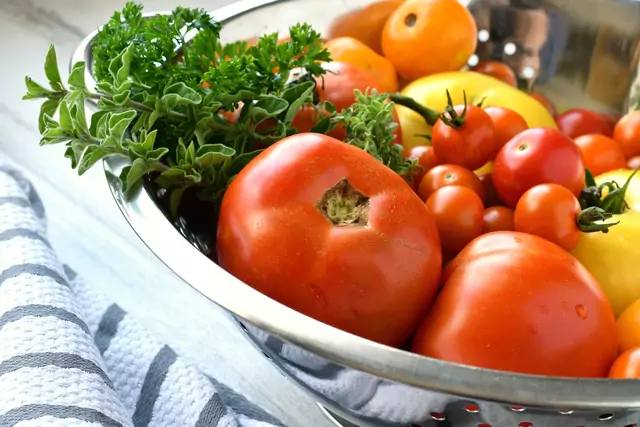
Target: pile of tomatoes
[486,254]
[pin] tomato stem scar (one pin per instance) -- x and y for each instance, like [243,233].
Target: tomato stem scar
[343,205]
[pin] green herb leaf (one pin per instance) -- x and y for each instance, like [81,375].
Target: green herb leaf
[297,96]
[51,70]
[92,154]
[48,108]
[76,77]
[34,90]
[212,154]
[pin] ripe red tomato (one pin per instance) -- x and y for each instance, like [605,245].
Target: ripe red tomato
[627,365]
[600,153]
[507,124]
[309,115]
[578,121]
[466,140]
[549,211]
[307,222]
[339,82]
[427,160]
[627,134]
[498,70]
[497,218]
[516,302]
[458,212]
[444,175]
[491,197]
[537,156]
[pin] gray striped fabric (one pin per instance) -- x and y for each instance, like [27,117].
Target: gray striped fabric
[68,357]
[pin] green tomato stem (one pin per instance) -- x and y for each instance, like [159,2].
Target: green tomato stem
[589,220]
[430,116]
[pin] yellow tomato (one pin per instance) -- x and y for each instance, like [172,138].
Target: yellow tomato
[430,91]
[628,327]
[487,168]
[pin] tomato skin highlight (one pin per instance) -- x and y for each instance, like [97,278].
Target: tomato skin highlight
[537,156]
[578,121]
[627,134]
[497,218]
[549,211]
[627,365]
[375,281]
[444,175]
[516,302]
[600,153]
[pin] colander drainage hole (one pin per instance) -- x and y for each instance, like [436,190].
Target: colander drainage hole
[437,416]
[474,409]
[484,425]
[605,417]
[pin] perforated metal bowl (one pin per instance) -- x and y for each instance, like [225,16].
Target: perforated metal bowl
[588,58]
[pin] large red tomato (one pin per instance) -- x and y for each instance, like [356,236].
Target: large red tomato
[578,121]
[537,156]
[337,85]
[324,228]
[516,302]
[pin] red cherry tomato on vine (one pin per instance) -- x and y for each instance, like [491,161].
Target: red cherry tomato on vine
[549,211]
[465,138]
[458,213]
[507,124]
[600,153]
[627,365]
[627,134]
[537,156]
[427,160]
[578,121]
[497,218]
[445,175]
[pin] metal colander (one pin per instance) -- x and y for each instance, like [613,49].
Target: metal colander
[361,383]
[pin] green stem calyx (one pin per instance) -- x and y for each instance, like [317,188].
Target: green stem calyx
[450,117]
[343,205]
[590,220]
[430,116]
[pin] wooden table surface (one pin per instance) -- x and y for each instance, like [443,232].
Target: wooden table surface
[87,229]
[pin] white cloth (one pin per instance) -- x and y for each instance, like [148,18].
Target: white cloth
[69,358]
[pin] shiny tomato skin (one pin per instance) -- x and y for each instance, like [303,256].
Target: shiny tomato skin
[497,218]
[537,156]
[627,365]
[471,145]
[458,213]
[491,197]
[579,121]
[628,327]
[600,153]
[427,160]
[375,281]
[339,82]
[445,175]
[549,211]
[627,134]
[498,70]
[507,124]
[516,302]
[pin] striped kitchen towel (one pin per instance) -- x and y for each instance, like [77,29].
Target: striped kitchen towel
[68,357]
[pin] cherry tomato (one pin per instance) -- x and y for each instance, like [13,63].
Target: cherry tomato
[537,156]
[447,25]
[337,85]
[600,153]
[578,121]
[365,24]
[627,134]
[354,52]
[633,163]
[498,70]
[547,104]
[516,302]
[549,211]
[627,365]
[628,327]
[458,213]
[445,175]
[507,124]
[466,138]
[491,197]
[307,222]
[426,161]
[497,218]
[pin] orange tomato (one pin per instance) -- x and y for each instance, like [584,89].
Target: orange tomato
[627,134]
[628,327]
[423,37]
[600,153]
[627,365]
[498,70]
[365,24]
[447,175]
[497,218]
[353,51]
[427,160]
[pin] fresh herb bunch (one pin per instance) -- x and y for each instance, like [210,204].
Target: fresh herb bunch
[159,100]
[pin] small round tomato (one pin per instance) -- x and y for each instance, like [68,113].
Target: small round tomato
[633,163]
[498,70]
[465,137]
[340,81]
[628,327]
[491,197]
[427,160]
[458,213]
[627,365]
[423,37]
[600,153]
[291,220]
[627,134]
[309,115]
[444,175]
[507,124]
[354,52]
[549,211]
[497,218]
[545,101]
[578,121]
[515,302]
[537,156]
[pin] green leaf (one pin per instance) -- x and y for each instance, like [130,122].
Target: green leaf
[34,90]
[156,154]
[120,66]
[297,96]
[138,170]
[122,99]
[240,161]
[48,108]
[590,181]
[92,154]
[180,94]
[51,70]
[76,77]
[65,117]
[119,123]
[324,125]
[177,176]
[174,201]
[70,154]
[267,106]
[212,154]
[149,140]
